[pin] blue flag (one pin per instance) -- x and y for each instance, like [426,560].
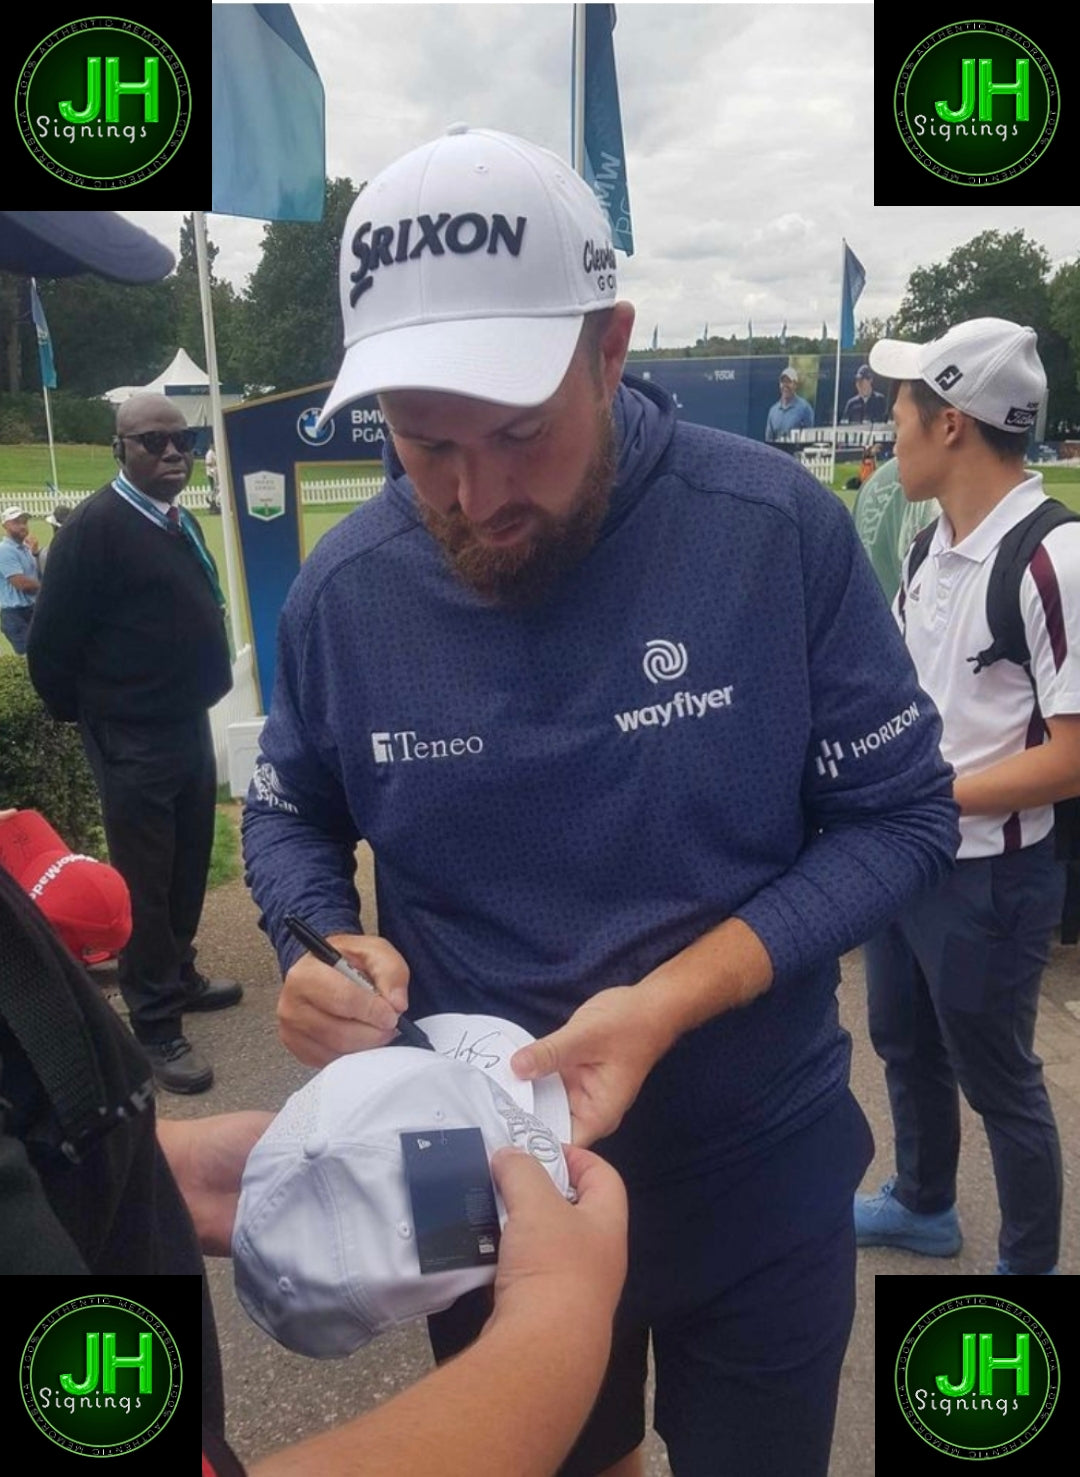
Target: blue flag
[44,342]
[854,282]
[656,337]
[269,144]
[605,158]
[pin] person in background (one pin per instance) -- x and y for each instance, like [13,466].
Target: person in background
[130,643]
[56,520]
[953,980]
[791,412]
[867,404]
[20,577]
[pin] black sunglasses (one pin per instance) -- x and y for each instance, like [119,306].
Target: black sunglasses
[155,442]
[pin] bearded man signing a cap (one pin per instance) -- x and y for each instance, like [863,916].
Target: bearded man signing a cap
[130,643]
[597,687]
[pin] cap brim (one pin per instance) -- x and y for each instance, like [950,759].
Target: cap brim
[896,359]
[508,361]
[59,243]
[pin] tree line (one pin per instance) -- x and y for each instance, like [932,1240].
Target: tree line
[284,329]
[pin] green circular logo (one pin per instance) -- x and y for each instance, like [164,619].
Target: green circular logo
[977,103]
[977,1377]
[101,1376]
[103,103]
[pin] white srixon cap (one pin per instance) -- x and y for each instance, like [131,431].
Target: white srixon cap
[988,367]
[324,1246]
[468,267]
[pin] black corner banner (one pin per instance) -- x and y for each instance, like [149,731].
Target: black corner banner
[973,107]
[104,1367]
[974,1369]
[110,112]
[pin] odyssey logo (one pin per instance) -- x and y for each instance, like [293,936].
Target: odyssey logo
[406,747]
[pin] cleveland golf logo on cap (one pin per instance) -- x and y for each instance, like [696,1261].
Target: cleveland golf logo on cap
[459,234]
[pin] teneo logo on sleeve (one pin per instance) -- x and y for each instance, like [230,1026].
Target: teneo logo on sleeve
[977,1377]
[102,103]
[101,1376]
[976,103]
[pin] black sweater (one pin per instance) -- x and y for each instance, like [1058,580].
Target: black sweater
[126,625]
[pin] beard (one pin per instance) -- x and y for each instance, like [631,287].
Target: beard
[524,574]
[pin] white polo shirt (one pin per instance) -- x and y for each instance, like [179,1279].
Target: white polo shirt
[993,714]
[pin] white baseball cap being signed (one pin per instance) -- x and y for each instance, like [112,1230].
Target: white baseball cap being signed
[468,266]
[324,1245]
[987,367]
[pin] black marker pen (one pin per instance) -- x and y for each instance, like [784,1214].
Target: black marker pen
[324,950]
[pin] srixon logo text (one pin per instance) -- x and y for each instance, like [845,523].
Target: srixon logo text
[409,239]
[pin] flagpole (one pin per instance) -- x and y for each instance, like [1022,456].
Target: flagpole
[577,106]
[228,521]
[45,392]
[52,449]
[839,336]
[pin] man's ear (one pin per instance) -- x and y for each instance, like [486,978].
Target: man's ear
[954,427]
[118,450]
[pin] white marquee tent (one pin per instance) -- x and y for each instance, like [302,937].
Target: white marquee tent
[183,381]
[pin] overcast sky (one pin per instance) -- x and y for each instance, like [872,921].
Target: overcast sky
[748,131]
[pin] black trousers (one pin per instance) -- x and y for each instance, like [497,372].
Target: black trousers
[158,787]
[953,994]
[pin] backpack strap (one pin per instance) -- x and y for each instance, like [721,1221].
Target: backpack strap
[1003,614]
[920,547]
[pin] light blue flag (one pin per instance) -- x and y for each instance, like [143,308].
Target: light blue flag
[854,282]
[44,342]
[269,139]
[605,158]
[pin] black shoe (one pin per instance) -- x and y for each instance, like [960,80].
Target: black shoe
[178,1067]
[203,994]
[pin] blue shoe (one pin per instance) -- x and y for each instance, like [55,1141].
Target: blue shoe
[1004,1270]
[880,1220]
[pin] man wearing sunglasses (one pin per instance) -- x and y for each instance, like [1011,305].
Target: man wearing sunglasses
[129,642]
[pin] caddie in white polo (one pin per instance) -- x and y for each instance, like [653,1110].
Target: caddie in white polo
[989,603]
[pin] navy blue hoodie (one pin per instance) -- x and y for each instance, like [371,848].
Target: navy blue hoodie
[713,715]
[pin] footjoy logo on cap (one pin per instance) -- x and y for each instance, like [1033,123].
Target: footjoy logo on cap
[409,239]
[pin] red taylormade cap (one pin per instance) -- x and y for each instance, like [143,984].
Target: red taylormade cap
[85,900]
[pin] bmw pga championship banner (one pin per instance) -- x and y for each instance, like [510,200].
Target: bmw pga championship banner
[269,440]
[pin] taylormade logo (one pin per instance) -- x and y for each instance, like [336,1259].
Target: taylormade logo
[409,239]
[52,872]
[406,747]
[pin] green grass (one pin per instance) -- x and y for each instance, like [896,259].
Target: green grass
[225,857]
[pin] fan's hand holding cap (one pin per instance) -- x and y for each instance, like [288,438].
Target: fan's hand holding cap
[987,367]
[468,267]
[324,1245]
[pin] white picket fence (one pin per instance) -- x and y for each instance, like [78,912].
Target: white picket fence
[38,502]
